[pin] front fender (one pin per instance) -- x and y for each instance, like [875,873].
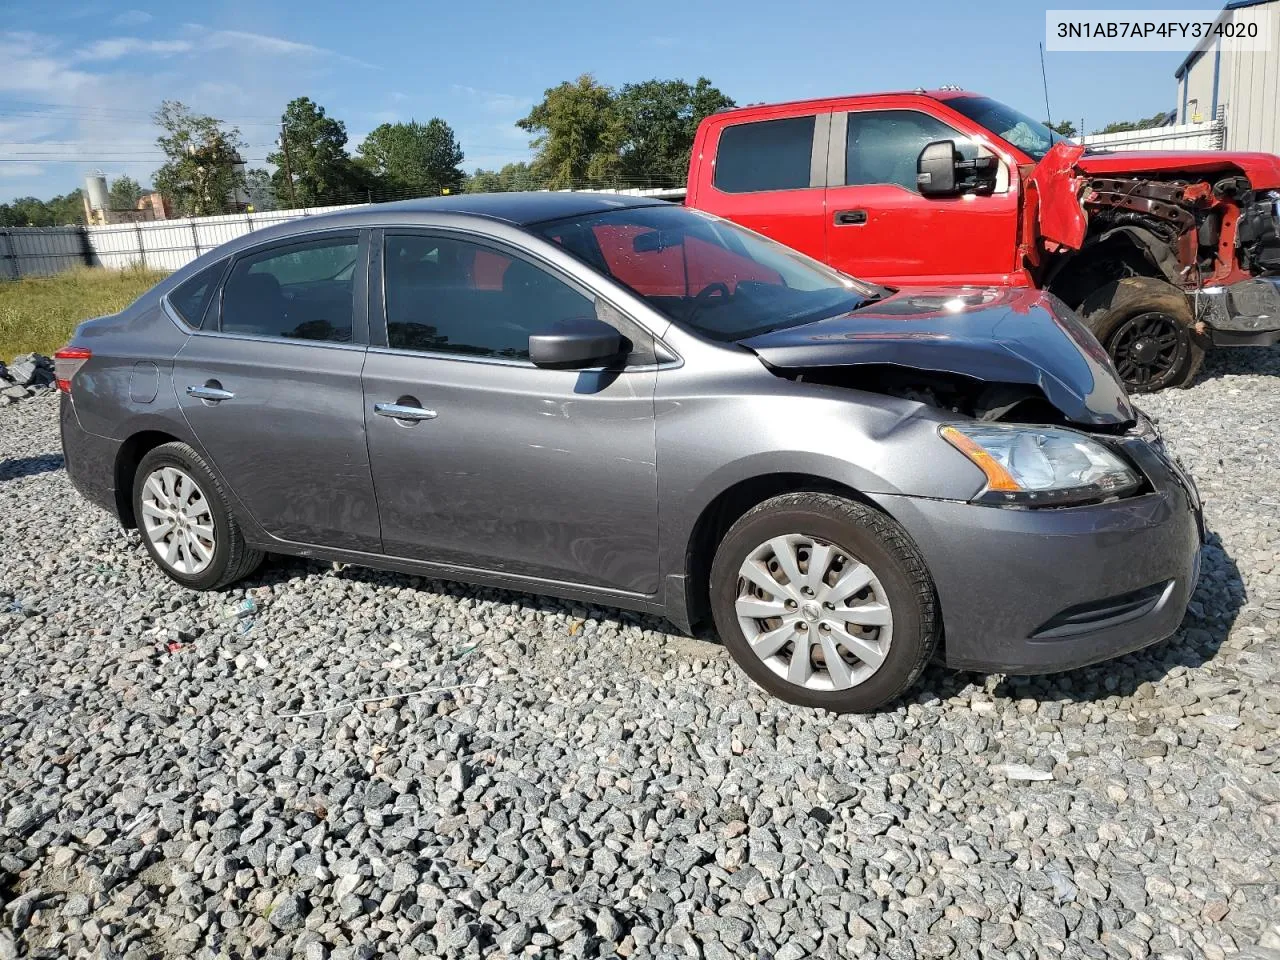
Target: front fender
[878,445]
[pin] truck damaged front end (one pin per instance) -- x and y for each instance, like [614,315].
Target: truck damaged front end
[1116,236]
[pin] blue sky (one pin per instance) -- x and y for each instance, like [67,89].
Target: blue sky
[80,79]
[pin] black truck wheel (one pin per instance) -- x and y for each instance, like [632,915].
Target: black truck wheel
[1148,330]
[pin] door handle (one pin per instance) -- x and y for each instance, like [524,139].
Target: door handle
[397,411]
[213,394]
[850,218]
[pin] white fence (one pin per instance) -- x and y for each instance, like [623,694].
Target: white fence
[1180,136]
[159,245]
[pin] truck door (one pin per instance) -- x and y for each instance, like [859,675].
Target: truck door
[880,228]
[768,175]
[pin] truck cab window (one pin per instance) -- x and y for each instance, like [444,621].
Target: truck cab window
[884,145]
[767,155]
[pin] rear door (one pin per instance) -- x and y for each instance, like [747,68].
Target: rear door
[504,466]
[768,175]
[271,389]
[880,228]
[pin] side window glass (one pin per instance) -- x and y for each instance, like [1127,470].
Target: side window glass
[445,295]
[191,297]
[304,291]
[767,155]
[884,145]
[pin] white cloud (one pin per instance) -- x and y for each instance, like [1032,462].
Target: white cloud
[89,106]
[31,65]
[132,18]
[14,171]
[116,47]
[493,100]
[264,43]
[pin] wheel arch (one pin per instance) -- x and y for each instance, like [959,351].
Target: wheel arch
[717,516]
[1127,250]
[128,457]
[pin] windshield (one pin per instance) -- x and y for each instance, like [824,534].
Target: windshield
[1030,136]
[705,273]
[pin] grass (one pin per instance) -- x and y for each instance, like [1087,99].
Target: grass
[39,314]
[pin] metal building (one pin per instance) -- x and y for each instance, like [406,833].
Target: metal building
[1241,86]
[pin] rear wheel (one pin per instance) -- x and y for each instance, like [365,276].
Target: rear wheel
[1147,328]
[824,602]
[185,521]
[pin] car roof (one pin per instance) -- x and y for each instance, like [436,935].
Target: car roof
[519,209]
[514,209]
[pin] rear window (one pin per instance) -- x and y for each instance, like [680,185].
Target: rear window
[191,297]
[767,155]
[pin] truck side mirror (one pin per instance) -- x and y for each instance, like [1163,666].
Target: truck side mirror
[936,169]
[941,171]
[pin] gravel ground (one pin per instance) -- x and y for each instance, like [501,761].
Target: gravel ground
[349,763]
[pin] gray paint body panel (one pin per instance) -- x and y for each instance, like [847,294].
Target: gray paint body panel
[590,484]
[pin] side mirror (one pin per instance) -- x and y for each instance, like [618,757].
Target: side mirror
[941,171]
[573,344]
[653,241]
[936,169]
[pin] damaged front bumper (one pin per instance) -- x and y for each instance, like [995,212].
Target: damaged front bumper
[1245,314]
[1037,591]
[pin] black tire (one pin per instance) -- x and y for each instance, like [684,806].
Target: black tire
[1148,330]
[232,559]
[868,536]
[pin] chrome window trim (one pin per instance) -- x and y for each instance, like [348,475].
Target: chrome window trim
[288,341]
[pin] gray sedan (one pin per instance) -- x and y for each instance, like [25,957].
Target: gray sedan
[638,405]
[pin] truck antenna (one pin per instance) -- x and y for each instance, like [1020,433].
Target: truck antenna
[1045,77]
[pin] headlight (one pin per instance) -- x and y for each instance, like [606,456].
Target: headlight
[1041,466]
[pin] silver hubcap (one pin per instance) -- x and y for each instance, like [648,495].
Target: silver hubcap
[812,613]
[177,520]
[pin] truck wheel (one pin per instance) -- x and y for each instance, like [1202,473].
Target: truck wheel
[824,602]
[1148,330]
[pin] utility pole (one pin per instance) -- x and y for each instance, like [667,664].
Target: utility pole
[288,170]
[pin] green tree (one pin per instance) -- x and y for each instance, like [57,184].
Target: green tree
[68,208]
[577,134]
[200,176]
[413,159]
[317,159]
[31,212]
[34,212]
[1064,127]
[262,193]
[1123,126]
[513,176]
[659,119]
[124,193]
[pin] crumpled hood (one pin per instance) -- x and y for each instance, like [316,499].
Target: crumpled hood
[996,335]
[1262,169]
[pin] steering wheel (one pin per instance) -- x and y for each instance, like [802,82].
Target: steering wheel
[705,294]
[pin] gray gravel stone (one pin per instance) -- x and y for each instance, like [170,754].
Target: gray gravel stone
[156,793]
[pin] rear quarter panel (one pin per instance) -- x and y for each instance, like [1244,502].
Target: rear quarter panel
[138,343]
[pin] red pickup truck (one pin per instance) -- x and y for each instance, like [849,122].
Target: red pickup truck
[1162,254]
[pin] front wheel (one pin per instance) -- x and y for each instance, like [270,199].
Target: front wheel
[824,602]
[1147,328]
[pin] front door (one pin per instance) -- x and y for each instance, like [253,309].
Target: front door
[271,389]
[487,462]
[880,228]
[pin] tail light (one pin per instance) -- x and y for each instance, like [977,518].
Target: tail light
[66,363]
